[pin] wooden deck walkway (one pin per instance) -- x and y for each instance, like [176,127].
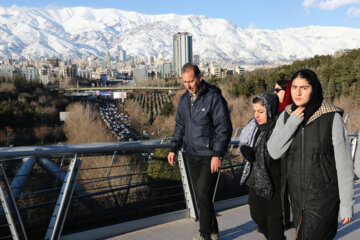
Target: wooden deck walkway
[234,223]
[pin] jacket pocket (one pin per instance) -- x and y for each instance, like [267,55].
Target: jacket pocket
[328,168]
[324,172]
[319,170]
[202,143]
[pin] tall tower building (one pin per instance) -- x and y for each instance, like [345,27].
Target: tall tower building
[122,57]
[182,51]
[108,60]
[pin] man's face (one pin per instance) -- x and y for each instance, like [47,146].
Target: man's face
[191,82]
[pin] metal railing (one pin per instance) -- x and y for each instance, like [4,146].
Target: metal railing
[117,182]
[347,120]
[354,144]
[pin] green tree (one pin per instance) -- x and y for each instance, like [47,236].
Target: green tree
[167,109]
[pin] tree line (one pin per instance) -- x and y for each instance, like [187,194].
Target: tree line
[338,76]
[29,113]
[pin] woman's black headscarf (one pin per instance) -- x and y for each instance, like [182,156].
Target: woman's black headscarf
[316,97]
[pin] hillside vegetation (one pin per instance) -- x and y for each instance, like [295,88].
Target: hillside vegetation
[339,76]
[29,113]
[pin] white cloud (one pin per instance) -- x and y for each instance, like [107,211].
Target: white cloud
[333,4]
[309,3]
[328,4]
[353,12]
[53,6]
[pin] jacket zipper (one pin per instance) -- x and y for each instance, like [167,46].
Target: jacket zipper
[303,178]
[191,109]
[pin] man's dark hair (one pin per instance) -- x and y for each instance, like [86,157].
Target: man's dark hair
[190,66]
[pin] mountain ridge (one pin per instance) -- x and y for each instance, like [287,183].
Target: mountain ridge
[74,31]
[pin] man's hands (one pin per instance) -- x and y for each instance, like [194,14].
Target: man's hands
[215,164]
[171,158]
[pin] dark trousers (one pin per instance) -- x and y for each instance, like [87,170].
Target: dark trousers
[267,214]
[204,185]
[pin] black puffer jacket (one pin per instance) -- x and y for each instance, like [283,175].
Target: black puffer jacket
[205,129]
[311,178]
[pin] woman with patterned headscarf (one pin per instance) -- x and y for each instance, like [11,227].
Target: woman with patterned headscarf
[264,177]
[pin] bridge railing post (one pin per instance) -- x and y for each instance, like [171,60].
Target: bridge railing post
[63,202]
[189,192]
[10,208]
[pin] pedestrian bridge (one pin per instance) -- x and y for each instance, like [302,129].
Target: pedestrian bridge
[121,190]
[235,223]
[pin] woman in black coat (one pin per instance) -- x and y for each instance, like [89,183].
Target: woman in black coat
[264,178]
[318,171]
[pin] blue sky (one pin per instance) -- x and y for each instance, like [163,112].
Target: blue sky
[262,14]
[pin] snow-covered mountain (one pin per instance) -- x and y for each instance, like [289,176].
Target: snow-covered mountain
[72,32]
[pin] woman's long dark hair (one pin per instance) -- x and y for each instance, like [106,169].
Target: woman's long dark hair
[283,83]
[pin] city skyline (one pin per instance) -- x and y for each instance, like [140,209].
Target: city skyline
[260,14]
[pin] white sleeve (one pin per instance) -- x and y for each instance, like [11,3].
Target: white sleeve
[357,157]
[344,166]
[282,135]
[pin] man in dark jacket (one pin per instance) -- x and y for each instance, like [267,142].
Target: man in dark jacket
[203,128]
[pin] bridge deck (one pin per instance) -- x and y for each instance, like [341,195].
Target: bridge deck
[234,223]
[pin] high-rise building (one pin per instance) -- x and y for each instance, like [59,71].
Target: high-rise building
[108,60]
[140,74]
[196,60]
[215,70]
[122,57]
[182,51]
[69,71]
[54,62]
[239,69]
[31,74]
[44,73]
[151,60]
[165,70]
